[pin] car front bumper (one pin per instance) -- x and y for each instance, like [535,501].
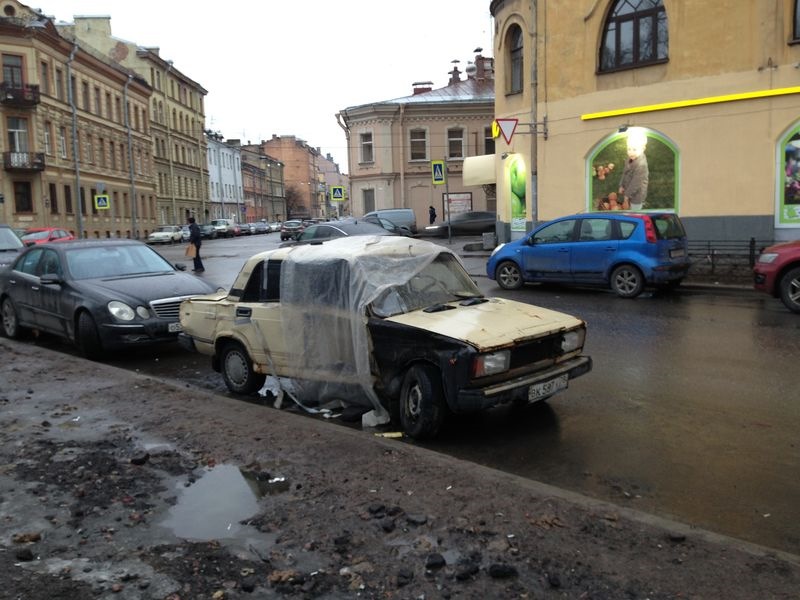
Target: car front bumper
[476,399]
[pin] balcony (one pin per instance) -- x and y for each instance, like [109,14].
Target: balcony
[19,96]
[23,162]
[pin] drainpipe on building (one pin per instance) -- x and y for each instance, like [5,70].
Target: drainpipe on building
[403,199]
[534,114]
[75,156]
[134,230]
[169,148]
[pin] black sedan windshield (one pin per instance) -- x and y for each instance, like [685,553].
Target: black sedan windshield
[114,261]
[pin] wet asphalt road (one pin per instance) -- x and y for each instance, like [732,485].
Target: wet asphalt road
[692,410]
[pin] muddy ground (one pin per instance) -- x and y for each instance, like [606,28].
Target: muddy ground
[116,485]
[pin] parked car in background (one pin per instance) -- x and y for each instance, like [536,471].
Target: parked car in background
[224,227]
[777,272]
[10,246]
[473,222]
[291,229]
[402,217]
[185,233]
[42,235]
[625,251]
[102,295]
[208,231]
[335,229]
[275,226]
[392,325]
[259,227]
[166,234]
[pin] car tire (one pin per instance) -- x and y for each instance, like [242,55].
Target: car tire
[508,275]
[790,289]
[88,338]
[627,281]
[237,370]
[10,320]
[422,405]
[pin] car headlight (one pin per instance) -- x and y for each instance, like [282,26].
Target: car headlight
[121,311]
[573,340]
[143,312]
[491,364]
[767,257]
[496,250]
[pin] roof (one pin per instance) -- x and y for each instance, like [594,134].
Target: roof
[470,90]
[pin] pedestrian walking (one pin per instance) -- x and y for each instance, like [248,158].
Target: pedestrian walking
[195,242]
[432,215]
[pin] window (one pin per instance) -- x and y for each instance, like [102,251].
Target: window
[113,152]
[44,78]
[83,201]
[68,200]
[101,150]
[59,84]
[635,35]
[109,112]
[368,196]
[18,136]
[53,199]
[89,149]
[62,142]
[48,143]
[419,144]
[515,62]
[455,143]
[796,34]
[23,199]
[488,141]
[12,70]
[366,148]
[85,96]
[98,104]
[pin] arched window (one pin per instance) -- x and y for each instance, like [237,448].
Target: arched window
[635,35]
[515,62]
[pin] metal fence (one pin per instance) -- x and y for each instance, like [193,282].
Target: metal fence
[733,259]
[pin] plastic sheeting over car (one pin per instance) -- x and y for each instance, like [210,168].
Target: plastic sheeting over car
[324,293]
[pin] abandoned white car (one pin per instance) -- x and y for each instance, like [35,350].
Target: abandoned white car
[392,324]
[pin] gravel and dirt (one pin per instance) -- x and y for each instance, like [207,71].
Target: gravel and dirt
[97,462]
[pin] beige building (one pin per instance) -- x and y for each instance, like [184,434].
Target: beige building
[76,134]
[393,146]
[709,89]
[178,119]
[262,179]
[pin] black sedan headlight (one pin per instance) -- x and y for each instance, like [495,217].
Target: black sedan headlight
[123,312]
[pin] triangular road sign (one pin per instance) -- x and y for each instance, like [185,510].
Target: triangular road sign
[507,128]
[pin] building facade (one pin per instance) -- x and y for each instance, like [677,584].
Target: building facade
[705,91]
[392,145]
[76,140]
[177,121]
[225,179]
[263,185]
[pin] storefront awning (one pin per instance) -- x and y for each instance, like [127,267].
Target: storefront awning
[478,170]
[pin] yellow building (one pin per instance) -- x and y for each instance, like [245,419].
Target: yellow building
[709,88]
[393,145]
[66,137]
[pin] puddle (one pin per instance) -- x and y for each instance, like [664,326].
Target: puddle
[212,507]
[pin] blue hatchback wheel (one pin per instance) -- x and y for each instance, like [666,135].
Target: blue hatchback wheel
[509,276]
[627,281]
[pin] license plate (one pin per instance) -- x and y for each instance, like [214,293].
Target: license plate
[677,253]
[547,388]
[174,327]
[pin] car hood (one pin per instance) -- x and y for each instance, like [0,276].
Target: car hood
[493,324]
[146,288]
[784,247]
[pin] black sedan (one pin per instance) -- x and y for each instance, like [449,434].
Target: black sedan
[473,222]
[336,229]
[103,295]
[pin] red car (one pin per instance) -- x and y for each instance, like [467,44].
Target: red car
[42,235]
[777,272]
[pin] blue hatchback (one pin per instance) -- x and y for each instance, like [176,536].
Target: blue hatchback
[624,251]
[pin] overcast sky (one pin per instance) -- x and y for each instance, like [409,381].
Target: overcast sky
[285,67]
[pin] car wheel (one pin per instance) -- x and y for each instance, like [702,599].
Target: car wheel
[790,289]
[88,338]
[627,281]
[237,370]
[10,321]
[509,275]
[422,406]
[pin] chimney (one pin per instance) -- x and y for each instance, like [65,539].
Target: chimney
[455,76]
[420,87]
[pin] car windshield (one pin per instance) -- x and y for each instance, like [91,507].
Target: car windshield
[443,280]
[9,240]
[35,235]
[166,229]
[104,261]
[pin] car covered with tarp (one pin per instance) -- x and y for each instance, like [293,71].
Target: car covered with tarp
[391,324]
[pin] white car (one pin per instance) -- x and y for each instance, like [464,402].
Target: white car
[166,234]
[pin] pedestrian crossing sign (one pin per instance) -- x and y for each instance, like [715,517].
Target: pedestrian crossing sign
[101,202]
[337,193]
[437,171]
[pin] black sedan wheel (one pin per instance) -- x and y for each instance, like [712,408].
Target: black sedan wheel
[627,281]
[509,275]
[790,289]
[422,405]
[87,337]
[10,321]
[237,370]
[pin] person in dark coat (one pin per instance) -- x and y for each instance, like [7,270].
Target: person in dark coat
[195,239]
[432,214]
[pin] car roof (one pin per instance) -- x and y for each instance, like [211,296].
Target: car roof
[355,227]
[69,244]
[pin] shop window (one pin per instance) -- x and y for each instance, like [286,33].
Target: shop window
[635,35]
[788,201]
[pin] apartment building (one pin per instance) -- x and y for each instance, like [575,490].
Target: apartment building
[263,185]
[178,121]
[75,128]
[707,90]
[392,145]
